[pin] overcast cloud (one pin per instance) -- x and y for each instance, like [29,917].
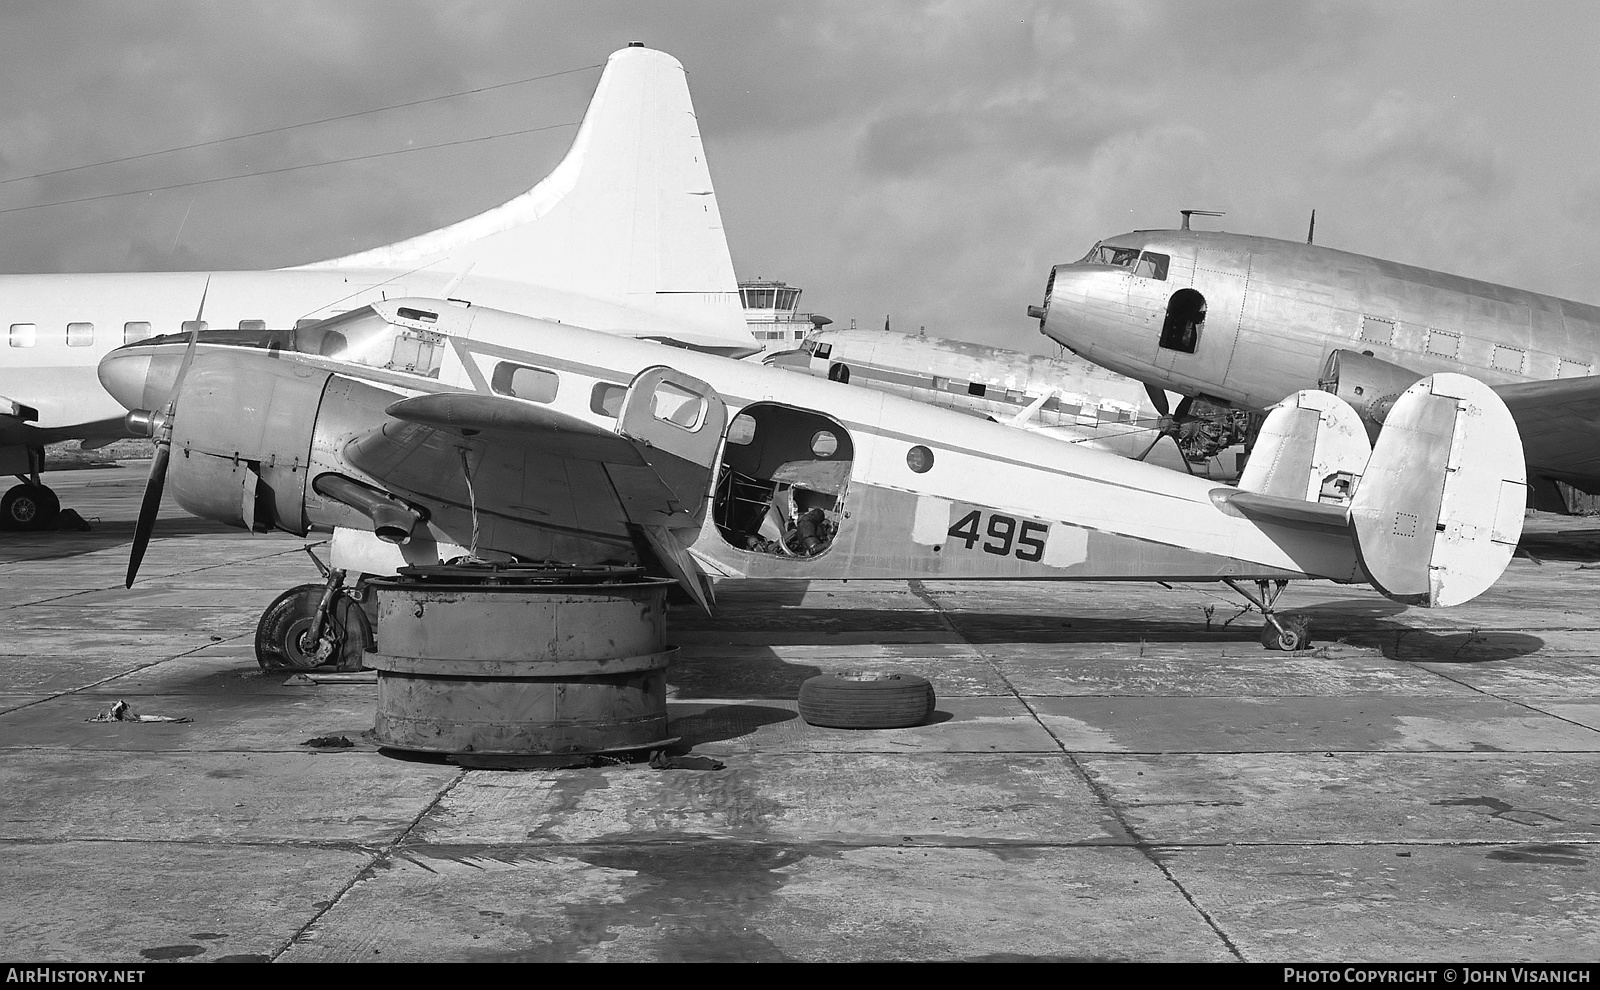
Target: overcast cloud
[927,161]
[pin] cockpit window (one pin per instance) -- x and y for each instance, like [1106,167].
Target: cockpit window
[1152,265]
[1109,254]
[360,336]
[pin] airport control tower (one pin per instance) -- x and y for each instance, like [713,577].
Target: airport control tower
[773,311]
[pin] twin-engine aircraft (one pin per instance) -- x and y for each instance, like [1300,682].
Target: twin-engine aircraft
[1248,320]
[624,235]
[418,431]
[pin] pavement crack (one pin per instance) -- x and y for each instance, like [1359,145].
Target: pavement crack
[382,855]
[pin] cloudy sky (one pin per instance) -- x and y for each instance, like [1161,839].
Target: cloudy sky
[927,161]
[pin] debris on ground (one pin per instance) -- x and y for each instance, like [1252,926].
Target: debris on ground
[68,521]
[329,742]
[118,711]
[659,760]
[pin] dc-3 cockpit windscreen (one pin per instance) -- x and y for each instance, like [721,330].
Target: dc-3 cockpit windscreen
[1146,264]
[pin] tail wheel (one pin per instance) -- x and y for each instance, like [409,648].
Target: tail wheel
[283,640]
[866,700]
[1288,633]
[29,507]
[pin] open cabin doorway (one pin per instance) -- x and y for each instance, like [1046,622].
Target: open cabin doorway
[782,482]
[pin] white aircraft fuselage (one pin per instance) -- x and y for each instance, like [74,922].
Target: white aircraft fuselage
[624,235]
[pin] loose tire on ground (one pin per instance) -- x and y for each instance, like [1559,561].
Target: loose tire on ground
[280,635]
[866,700]
[29,507]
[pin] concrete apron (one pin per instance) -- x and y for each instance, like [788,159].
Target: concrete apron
[1103,779]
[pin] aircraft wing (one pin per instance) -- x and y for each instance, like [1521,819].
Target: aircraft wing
[1559,421]
[648,479]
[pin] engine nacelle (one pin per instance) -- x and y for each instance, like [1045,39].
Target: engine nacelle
[1370,386]
[241,440]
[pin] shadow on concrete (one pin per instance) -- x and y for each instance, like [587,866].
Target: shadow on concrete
[696,724]
[1578,545]
[1468,646]
[757,672]
[20,547]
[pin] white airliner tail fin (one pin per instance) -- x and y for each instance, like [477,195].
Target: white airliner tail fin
[629,216]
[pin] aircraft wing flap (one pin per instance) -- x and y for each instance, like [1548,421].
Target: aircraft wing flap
[1558,421]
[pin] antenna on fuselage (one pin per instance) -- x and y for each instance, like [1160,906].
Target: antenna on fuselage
[1198,213]
[1312,230]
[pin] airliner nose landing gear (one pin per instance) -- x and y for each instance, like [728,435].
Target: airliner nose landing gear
[1287,632]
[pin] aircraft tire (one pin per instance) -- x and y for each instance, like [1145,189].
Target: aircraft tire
[866,700]
[29,507]
[1294,633]
[280,635]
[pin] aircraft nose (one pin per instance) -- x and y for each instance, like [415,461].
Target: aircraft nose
[140,378]
[123,375]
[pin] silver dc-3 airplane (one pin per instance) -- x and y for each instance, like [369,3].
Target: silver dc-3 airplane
[1248,320]
[418,430]
[624,235]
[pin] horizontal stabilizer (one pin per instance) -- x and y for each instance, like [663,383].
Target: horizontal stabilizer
[1439,511]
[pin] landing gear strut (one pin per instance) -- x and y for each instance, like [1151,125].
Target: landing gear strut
[315,625]
[1286,632]
[30,505]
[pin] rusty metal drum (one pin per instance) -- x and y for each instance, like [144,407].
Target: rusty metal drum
[521,660]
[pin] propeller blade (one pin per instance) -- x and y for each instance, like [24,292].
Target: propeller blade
[1158,398]
[147,510]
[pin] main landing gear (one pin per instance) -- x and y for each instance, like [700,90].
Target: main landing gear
[30,505]
[1288,632]
[316,625]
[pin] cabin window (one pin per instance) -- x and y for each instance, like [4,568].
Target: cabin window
[135,331]
[1151,265]
[420,315]
[605,399]
[1377,331]
[252,325]
[781,484]
[1568,369]
[823,350]
[977,388]
[1107,254]
[919,459]
[1507,359]
[80,334]
[742,431]
[1186,317]
[1443,344]
[194,326]
[522,382]
[24,334]
[678,406]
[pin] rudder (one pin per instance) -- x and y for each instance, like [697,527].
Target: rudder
[1439,511]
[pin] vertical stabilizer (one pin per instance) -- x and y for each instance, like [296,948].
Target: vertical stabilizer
[628,216]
